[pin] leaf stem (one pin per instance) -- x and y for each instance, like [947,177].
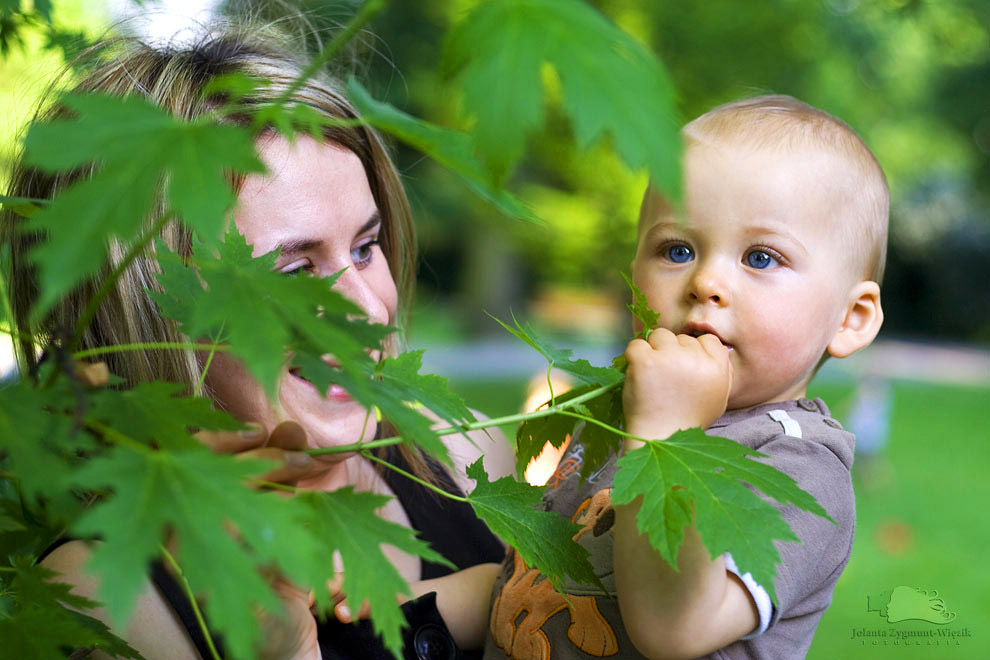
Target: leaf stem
[148,346]
[192,601]
[274,485]
[421,482]
[368,10]
[473,426]
[604,425]
[94,303]
[209,361]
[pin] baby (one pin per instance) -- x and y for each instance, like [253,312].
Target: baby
[773,265]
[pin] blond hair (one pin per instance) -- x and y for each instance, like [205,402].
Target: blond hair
[175,80]
[784,123]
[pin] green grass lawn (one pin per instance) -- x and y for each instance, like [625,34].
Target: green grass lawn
[925,523]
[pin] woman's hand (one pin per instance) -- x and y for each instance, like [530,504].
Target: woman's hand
[283,446]
[290,635]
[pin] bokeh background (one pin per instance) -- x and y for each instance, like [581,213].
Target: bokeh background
[911,76]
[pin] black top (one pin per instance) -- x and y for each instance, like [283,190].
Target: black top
[450,527]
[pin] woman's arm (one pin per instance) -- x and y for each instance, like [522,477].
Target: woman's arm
[463,600]
[154,630]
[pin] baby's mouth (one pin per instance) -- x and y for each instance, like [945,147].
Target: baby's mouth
[698,329]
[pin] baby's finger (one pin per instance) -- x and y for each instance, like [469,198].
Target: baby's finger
[713,346]
[233,442]
[660,337]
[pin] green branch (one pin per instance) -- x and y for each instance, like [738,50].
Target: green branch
[473,426]
[192,601]
[421,482]
[149,346]
[111,281]
[368,10]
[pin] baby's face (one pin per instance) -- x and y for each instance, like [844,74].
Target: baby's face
[758,261]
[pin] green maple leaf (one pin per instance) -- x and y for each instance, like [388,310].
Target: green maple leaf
[404,385]
[299,314]
[533,434]
[41,626]
[730,517]
[452,149]
[39,439]
[10,524]
[22,206]
[498,51]
[192,493]
[512,510]
[561,358]
[46,633]
[152,412]
[600,442]
[640,308]
[345,521]
[134,145]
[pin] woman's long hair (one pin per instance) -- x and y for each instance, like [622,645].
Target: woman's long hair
[175,80]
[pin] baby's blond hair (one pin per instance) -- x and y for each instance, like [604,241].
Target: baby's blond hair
[785,123]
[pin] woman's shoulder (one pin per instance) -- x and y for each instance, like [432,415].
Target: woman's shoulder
[153,628]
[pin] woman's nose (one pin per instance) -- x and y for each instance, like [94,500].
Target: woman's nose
[353,286]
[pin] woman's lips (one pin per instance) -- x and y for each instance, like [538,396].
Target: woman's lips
[334,393]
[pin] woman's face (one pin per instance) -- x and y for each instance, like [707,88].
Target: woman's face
[315,203]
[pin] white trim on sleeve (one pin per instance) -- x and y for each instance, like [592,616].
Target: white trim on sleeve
[791,427]
[760,596]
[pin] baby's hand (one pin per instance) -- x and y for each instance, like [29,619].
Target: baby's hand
[674,382]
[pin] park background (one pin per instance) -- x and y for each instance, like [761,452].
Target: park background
[911,76]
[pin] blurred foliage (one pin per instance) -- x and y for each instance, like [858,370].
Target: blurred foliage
[36,41]
[909,75]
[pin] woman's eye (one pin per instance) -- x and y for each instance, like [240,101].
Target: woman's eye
[363,254]
[679,254]
[297,269]
[761,259]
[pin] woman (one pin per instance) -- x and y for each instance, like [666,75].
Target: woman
[332,205]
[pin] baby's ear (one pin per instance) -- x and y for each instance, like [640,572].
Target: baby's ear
[862,321]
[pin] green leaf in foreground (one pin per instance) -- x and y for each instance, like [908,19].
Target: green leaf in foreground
[452,149]
[193,493]
[402,385]
[560,358]
[498,51]
[543,539]
[133,145]
[153,413]
[533,434]
[345,521]
[38,439]
[712,473]
[302,314]
[22,206]
[42,625]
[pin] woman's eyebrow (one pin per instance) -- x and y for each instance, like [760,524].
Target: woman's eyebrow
[295,246]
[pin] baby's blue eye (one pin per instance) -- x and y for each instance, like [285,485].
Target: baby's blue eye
[680,254]
[760,259]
